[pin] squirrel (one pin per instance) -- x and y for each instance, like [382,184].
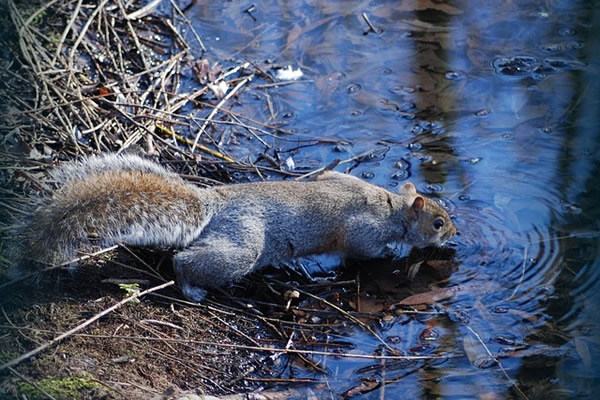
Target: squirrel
[222,233]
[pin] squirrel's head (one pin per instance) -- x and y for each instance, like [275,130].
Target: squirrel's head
[428,222]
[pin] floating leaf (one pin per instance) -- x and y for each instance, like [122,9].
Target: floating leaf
[431,297]
[366,385]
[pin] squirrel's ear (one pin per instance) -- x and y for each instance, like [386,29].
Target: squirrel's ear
[408,188]
[418,204]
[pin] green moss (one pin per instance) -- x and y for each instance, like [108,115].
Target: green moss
[71,388]
[131,289]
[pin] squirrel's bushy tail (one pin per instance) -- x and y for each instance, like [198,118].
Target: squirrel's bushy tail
[117,199]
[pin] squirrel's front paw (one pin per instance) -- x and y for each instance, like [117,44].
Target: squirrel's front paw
[194,293]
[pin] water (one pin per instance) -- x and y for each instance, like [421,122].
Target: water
[492,107]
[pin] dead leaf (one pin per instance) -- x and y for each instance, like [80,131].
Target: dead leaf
[202,69]
[371,304]
[430,297]
[366,385]
[204,72]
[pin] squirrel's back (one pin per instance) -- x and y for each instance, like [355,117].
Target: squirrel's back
[119,198]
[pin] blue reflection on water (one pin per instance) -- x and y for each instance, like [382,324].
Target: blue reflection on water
[496,104]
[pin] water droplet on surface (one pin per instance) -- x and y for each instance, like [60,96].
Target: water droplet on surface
[415,129]
[367,175]
[385,104]
[402,89]
[407,115]
[436,125]
[546,129]
[514,66]
[426,125]
[401,175]
[289,114]
[574,45]
[402,164]
[501,309]
[378,30]
[385,71]
[458,314]
[555,63]
[545,291]
[453,75]
[566,32]
[408,106]
[433,188]
[507,135]
[505,339]
[474,160]
[445,203]
[355,113]
[414,146]
[464,197]
[393,339]
[484,362]
[354,88]
[572,208]
[484,112]
[587,329]
[551,48]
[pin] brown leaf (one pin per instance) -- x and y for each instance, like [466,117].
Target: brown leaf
[438,264]
[366,385]
[430,297]
[202,69]
[371,304]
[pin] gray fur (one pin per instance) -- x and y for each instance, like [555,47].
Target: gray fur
[93,165]
[223,233]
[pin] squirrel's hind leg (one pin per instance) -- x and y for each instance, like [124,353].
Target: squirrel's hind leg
[212,262]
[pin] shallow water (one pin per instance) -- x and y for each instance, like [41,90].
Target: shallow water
[490,106]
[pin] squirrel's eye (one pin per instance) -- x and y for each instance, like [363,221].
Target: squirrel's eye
[438,224]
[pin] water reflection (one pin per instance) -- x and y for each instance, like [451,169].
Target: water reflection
[492,108]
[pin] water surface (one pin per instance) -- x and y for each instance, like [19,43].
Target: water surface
[491,107]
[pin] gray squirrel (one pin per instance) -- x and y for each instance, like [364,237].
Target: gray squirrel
[222,233]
